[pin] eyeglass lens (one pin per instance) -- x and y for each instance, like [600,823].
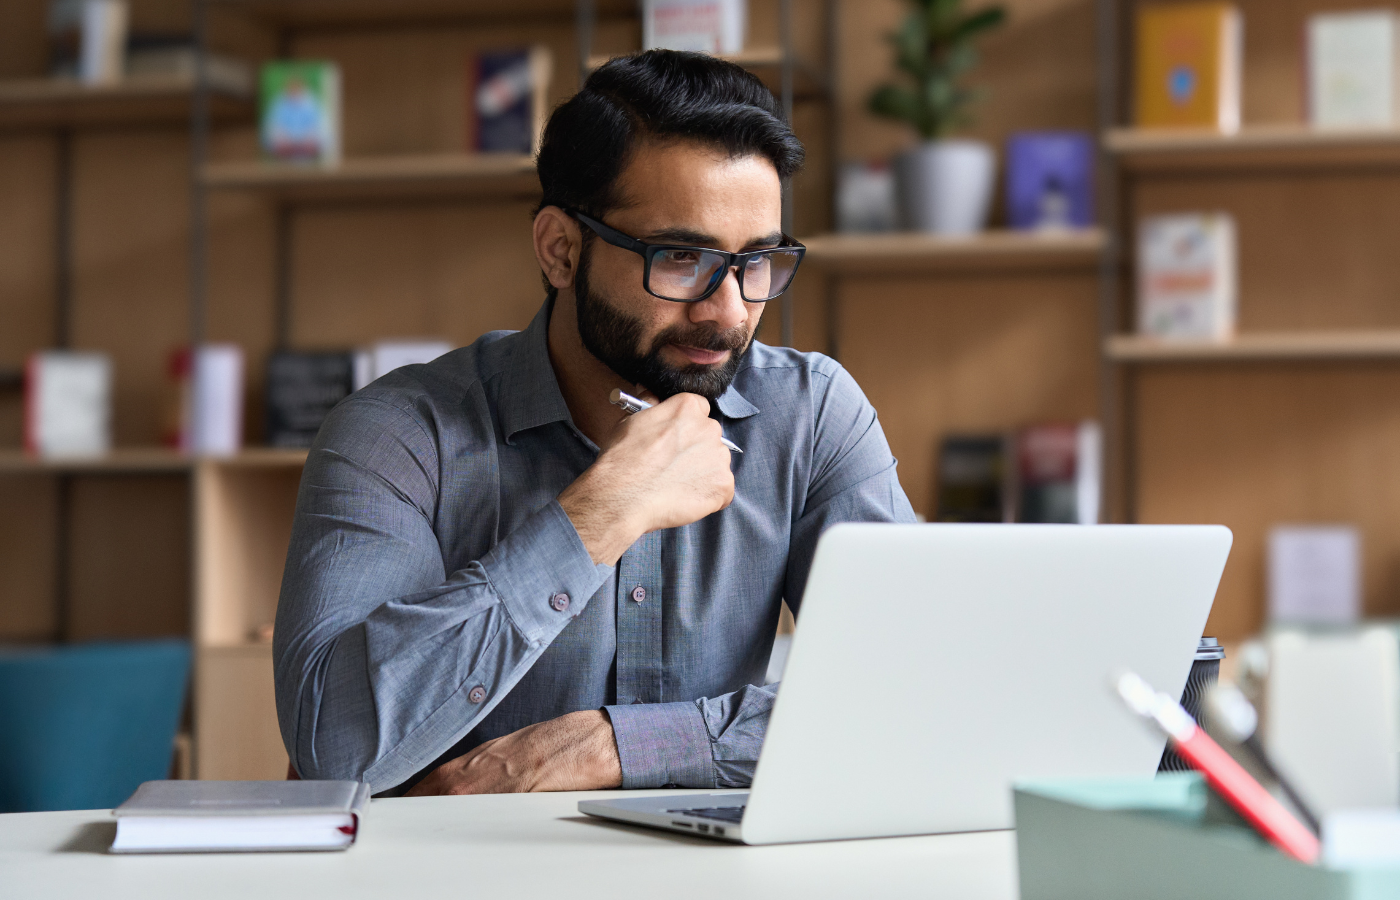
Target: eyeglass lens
[687,274]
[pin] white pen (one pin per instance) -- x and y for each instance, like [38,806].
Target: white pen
[629,404]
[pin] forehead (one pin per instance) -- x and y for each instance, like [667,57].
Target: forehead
[689,183]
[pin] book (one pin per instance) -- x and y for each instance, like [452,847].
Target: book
[207,412]
[707,26]
[1050,180]
[865,197]
[1314,573]
[302,388]
[1059,469]
[240,816]
[87,39]
[973,479]
[1352,69]
[1186,276]
[508,91]
[150,55]
[1188,62]
[299,111]
[68,404]
[380,359]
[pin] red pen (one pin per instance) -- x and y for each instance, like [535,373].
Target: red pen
[1225,776]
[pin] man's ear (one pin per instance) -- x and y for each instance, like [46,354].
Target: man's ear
[557,245]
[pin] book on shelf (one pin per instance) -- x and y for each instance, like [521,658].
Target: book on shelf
[87,39]
[150,54]
[1058,472]
[708,26]
[1314,574]
[865,197]
[508,99]
[302,389]
[1050,180]
[68,404]
[239,816]
[974,479]
[383,357]
[1186,276]
[206,415]
[1188,66]
[1352,68]
[299,111]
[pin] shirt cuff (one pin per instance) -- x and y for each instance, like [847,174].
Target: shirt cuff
[543,573]
[662,745]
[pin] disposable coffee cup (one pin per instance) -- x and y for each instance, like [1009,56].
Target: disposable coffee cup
[1205,671]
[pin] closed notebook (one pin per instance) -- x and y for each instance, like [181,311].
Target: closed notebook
[1188,66]
[239,816]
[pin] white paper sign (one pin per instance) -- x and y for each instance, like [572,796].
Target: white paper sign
[1314,573]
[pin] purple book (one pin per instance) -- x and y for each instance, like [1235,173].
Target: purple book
[1050,179]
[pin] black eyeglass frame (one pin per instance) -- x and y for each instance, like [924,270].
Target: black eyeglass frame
[737,261]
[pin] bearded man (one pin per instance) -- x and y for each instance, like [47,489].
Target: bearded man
[497,580]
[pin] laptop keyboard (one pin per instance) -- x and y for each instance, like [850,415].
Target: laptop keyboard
[723,813]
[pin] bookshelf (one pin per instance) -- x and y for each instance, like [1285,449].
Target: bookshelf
[994,250]
[1262,347]
[404,177]
[1294,420]
[31,103]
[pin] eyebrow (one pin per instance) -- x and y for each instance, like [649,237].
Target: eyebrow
[699,239]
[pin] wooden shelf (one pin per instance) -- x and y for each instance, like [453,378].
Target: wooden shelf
[899,253]
[52,102]
[330,13]
[144,460]
[1286,346]
[1271,146]
[486,175]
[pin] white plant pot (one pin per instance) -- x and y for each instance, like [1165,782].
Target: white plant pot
[945,187]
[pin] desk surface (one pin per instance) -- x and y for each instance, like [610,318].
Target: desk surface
[534,845]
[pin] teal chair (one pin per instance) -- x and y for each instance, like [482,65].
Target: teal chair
[81,725]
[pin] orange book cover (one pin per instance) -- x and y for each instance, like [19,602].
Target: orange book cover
[1188,66]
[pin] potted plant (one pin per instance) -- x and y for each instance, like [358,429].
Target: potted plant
[944,183]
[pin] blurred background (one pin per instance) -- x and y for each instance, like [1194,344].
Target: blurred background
[1091,260]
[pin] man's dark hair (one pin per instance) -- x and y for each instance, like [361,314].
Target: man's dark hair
[657,95]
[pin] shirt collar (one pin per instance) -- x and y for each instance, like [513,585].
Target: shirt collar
[531,396]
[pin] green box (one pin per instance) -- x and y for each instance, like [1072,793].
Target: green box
[1166,838]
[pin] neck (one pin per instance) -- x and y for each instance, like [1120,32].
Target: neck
[583,380]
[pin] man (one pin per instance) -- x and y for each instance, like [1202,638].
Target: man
[497,580]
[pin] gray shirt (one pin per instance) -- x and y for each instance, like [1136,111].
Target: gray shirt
[437,596]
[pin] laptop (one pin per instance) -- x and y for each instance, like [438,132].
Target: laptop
[933,665]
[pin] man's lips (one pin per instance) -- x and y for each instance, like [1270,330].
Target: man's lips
[702,357]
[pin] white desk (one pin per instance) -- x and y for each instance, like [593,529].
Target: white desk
[505,846]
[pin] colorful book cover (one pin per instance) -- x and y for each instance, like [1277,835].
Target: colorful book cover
[507,99]
[1188,66]
[1187,276]
[1352,69]
[1050,180]
[300,111]
[707,26]
[1058,468]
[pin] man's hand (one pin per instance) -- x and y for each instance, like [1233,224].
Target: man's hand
[664,467]
[576,752]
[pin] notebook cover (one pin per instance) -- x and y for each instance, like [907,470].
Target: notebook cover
[245,798]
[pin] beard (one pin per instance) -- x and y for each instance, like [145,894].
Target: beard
[615,338]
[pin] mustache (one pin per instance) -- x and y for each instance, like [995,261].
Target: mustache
[702,337]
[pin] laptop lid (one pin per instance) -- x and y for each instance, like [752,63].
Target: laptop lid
[935,664]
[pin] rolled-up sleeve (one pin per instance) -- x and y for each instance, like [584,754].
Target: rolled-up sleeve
[382,658]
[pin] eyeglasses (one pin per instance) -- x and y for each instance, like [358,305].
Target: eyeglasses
[690,274]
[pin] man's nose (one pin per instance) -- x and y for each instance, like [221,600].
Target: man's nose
[725,308]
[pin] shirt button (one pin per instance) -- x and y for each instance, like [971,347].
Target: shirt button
[477,694]
[560,602]
[639,593]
